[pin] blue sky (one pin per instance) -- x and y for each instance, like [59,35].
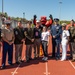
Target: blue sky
[40,8]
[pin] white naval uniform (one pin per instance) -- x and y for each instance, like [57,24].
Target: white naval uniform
[64,41]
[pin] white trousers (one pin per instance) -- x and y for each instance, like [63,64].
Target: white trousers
[64,52]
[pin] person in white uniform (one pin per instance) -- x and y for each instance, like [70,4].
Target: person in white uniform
[64,42]
[45,42]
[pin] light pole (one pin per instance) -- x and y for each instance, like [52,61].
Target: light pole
[2,6]
[60,10]
[23,15]
[23,18]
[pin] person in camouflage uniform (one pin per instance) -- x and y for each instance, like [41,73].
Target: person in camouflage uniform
[72,40]
[29,40]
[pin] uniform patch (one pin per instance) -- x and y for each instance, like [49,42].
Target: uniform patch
[16,32]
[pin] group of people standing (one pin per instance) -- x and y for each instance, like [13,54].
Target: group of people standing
[16,37]
[34,37]
[62,36]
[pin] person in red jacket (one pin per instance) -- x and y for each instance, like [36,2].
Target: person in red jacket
[44,21]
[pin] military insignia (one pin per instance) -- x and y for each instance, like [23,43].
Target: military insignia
[16,32]
[25,33]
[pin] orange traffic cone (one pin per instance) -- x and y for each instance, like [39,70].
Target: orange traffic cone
[41,50]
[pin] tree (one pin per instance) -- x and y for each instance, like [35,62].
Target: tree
[6,15]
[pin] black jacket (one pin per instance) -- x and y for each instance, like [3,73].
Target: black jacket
[37,33]
[0,34]
[29,35]
[19,35]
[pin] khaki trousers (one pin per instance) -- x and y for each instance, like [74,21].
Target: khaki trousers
[28,51]
[37,43]
[18,52]
[73,49]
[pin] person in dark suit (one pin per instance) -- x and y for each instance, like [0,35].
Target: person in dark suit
[0,40]
[29,39]
[0,34]
[37,39]
[56,31]
[19,39]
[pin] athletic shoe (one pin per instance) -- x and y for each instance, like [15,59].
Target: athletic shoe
[21,61]
[62,59]
[27,61]
[43,58]
[18,62]
[30,59]
[46,58]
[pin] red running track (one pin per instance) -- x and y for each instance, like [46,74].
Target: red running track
[38,67]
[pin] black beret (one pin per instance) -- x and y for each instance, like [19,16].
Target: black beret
[56,19]
[72,20]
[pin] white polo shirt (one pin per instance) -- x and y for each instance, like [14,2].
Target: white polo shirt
[44,36]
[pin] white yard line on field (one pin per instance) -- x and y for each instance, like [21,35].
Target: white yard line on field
[15,71]
[71,64]
[47,73]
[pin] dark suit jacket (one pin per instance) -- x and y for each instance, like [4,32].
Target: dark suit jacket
[0,34]
[56,31]
[29,35]
[19,35]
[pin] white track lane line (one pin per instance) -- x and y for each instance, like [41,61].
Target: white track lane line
[47,73]
[71,64]
[15,71]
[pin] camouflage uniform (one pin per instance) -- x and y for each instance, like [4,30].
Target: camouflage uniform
[72,40]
